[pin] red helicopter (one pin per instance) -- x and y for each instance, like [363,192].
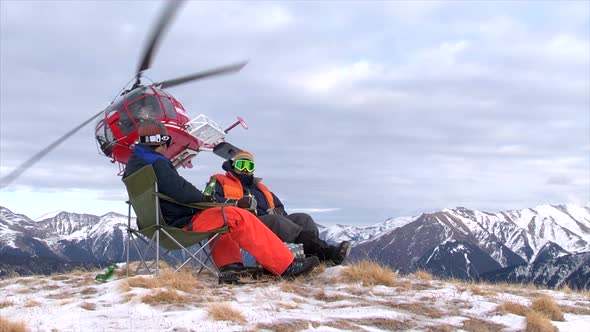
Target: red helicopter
[116,127]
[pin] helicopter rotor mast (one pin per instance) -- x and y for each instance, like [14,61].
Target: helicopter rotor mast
[148,53]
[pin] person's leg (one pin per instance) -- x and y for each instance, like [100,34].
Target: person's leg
[304,221]
[226,250]
[282,226]
[314,245]
[250,234]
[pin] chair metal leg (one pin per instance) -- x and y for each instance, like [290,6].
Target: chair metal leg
[128,234]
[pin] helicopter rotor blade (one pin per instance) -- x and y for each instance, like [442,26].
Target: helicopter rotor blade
[167,15]
[5,181]
[201,75]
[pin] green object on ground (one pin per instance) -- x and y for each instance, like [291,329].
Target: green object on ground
[106,274]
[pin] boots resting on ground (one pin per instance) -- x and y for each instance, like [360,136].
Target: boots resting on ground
[301,266]
[313,245]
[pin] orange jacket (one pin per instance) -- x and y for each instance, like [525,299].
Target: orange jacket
[232,188]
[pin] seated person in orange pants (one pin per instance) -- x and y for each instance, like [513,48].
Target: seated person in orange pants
[239,184]
[246,231]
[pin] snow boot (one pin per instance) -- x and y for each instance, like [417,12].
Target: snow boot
[313,245]
[301,266]
[341,253]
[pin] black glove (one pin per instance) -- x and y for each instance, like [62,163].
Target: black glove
[247,202]
[208,198]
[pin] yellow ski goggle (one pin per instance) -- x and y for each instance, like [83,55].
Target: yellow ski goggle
[244,165]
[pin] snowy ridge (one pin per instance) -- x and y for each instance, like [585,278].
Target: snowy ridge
[356,234]
[48,215]
[487,240]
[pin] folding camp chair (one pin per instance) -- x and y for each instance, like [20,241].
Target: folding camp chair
[153,232]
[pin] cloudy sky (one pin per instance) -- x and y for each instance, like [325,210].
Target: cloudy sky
[357,111]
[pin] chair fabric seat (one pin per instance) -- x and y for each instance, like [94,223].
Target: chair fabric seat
[153,231]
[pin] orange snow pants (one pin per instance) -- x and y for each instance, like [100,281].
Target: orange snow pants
[246,231]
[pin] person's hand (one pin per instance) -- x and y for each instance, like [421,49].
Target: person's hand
[247,202]
[278,211]
[244,202]
[209,198]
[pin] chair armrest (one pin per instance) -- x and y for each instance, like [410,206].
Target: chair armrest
[199,205]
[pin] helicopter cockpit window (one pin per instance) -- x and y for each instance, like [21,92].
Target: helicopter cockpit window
[114,107]
[125,123]
[105,138]
[131,96]
[168,107]
[146,108]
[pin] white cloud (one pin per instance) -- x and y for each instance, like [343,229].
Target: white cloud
[322,80]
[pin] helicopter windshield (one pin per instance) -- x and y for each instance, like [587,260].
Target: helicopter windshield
[105,138]
[147,107]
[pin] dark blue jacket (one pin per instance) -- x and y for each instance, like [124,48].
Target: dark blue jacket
[169,183]
[249,185]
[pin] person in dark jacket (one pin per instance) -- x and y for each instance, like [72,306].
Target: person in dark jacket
[239,182]
[246,231]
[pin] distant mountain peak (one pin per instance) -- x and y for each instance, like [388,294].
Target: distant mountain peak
[48,215]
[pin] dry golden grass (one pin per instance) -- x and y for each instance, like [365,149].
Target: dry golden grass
[4,304]
[12,326]
[343,325]
[288,326]
[289,287]
[513,308]
[166,296]
[413,285]
[479,325]
[537,322]
[82,281]
[60,277]
[321,295]
[32,303]
[440,328]
[423,275]
[566,289]
[61,295]
[30,281]
[368,273]
[65,302]
[52,287]
[221,311]
[79,272]
[419,308]
[387,324]
[288,305]
[124,287]
[546,306]
[88,291]
[582,309]
[88,306]
[477,290]
[127,298]
[141,282]
[182,280]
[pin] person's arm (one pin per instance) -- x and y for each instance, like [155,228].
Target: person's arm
[172,184]
[279,207]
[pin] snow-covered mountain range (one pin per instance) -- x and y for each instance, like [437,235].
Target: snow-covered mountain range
[467,243]
[453,242]
[37,246]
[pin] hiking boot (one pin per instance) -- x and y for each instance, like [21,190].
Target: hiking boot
[239,269]
[301,266]
[232,267]
[341,252]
